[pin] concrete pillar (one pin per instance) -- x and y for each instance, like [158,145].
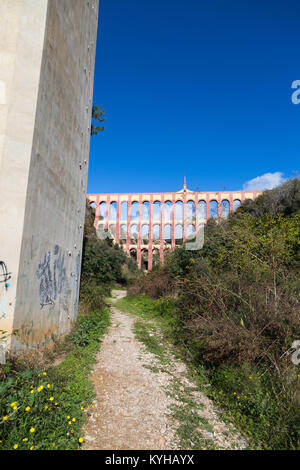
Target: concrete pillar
[45,111]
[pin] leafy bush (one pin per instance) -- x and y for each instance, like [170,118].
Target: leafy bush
[103,263]
[43,410]
[237,304]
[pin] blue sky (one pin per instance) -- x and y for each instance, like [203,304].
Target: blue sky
[193,87]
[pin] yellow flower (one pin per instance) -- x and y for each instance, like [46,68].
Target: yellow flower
[31,386]
[55,403]
[234,393]
[80,440]
[40,388]
[73,419]
[31,448]
[46,407]
[72,432]
[81,408]
[13,404]
[250,377]
[68,417]
[39,375]
[51,398]
[44,373]
[92,406]
[48,386]
[5,418]
[16,446]
[32,391]
[70,422]
[15,407]
[25,439]
[32,430]
[27,408]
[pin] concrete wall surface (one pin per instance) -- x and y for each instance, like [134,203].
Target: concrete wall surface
[48,49]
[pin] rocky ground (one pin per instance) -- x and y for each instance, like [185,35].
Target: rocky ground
[144,403]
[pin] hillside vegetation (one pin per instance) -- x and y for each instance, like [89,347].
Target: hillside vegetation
[235,309]
[104,264]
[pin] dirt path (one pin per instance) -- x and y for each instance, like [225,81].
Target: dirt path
[132,409]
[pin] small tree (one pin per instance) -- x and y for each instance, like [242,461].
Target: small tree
[97,115]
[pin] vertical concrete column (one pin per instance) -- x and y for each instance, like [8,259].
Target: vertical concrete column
[162,221]
[117,235]
[150,241]
[207,206]
[128,225]
[173,220]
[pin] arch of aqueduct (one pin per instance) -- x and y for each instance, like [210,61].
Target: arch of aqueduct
[147,225]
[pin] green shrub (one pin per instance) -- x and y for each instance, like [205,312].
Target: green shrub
[43,410]
[237,306]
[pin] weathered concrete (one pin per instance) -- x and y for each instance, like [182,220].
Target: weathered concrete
[47,54]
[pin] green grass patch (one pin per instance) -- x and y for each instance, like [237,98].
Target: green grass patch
[146,333]
[257,406]
[162,311]
[45,409]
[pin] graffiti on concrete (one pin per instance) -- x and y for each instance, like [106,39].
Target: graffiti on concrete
[4,274]
[51,275]
[4,277]
[2,308]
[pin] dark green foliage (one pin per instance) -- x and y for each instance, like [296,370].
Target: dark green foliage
[97,117]
[283,200]
[237,305]
[103,263]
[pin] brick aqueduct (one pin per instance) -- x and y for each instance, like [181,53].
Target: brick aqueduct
[147,225]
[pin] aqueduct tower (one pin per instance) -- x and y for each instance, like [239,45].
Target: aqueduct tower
[147,225]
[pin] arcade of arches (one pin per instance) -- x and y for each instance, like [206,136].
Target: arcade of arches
[148,225]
